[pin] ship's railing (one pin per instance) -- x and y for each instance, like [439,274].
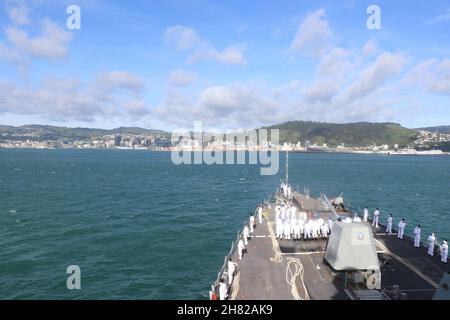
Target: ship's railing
[233,248]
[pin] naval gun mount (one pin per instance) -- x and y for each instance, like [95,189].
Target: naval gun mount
[351,250]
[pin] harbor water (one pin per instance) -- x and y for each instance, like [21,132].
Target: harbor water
[140,227]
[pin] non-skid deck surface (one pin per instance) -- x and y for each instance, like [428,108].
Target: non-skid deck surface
[416,273]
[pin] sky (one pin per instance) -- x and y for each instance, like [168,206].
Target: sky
[230,64]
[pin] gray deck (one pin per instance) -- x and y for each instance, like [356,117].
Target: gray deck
[416,273]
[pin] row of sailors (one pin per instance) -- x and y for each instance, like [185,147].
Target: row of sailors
[432,240]
[289,224]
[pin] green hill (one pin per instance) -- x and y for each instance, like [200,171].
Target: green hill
[350,134]
[46,132]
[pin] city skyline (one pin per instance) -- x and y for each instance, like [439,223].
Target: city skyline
[165,64]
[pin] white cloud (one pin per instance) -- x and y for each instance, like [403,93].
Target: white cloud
[52,43]
[112,94]
[122,80]
[11,55]
[181,77]
[187,39]
[19,15]
[433,75]
[335,62]
[321,91]
[440,18]
[372,77]
[313,36]
[182,37]
[370,47]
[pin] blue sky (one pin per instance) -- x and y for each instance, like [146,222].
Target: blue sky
[230,64]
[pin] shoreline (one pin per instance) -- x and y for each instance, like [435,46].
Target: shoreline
[383,153]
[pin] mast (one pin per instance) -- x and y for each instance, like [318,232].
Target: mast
[287,166]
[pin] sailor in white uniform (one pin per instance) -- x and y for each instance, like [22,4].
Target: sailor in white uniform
[431,242]
[307,231]
[223,290]
[287,228]
[301,226]
[376,216]
[231,269]
[260,211]
[324,230]
[444,251]
[389,224]
[293,219]
[241,248]
[417,231]
[279,222]
[252,223]
[245,234]
[356,218]
[401,228]
[365,214]
[297,230]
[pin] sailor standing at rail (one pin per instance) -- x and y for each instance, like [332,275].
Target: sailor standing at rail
[389,224]
[231,269]
[279,222]
[245,234]
[376,216]
[260,211]
[356,218]
[444,251]
[365,214]
[417,231]
[241,248]
[401,228]
[222,290]
[252,223]
[431,242]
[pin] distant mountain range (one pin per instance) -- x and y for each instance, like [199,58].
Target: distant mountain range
[333,134]
[438,129]
[53,133]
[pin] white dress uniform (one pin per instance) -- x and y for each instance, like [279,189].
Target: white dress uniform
[444,252]
[287,228]
[223,291]
[365,214]
[301,226]
[389,225]
[417,237]
[431,242]
[231,269]
[293,219]
[325,230]
[401,229]
[308,229]
[279,222]
[356,218]
[297,230]
[241,248]
[245,234]
[376,216]
[252,223]
[260,211]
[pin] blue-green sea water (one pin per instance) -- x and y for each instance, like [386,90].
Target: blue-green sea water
[140,227]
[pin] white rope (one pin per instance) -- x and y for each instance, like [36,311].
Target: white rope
[277,257]
[292,275]
[235,286]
